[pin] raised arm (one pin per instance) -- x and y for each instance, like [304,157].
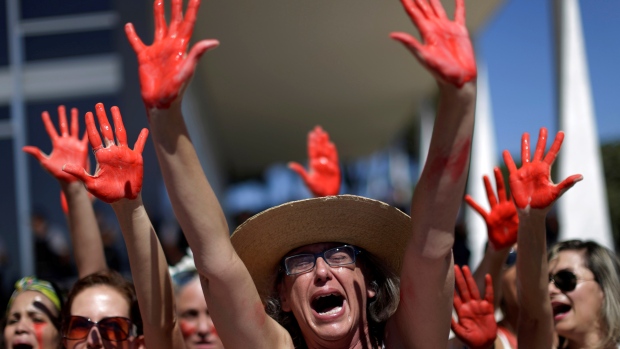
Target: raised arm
[165,70]
[67,148]
[323,178]
[534,194]
[502,226]
[118,181]
[427,276]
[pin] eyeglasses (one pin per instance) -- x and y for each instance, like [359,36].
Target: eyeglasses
[334,257]
[114,329]
[565,280]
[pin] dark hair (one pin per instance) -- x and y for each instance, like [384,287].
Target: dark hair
[112,279]
[605,266]
[378,310]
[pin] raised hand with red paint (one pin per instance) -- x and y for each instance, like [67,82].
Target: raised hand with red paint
[323,179]
[476,326]
[67,148]
[165,68]
[502,220]
[120,169]
[447,51]
[531,185]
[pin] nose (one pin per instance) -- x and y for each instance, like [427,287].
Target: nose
[94,339]
[322,270]
[553,290]
[22,326]
[205,325]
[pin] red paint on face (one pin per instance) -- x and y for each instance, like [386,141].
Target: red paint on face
[38,332]
[187,328]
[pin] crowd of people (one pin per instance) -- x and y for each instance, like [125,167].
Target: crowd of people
[335,271]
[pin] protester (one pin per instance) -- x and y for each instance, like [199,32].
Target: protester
[534,194]
[234,280]
[33,316]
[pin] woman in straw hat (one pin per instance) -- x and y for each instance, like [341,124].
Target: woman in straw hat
[323,259]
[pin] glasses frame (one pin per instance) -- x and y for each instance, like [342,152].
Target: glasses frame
[356,251]
[133,329]
[574,280]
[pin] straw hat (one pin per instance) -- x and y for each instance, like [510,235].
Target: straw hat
[263,240]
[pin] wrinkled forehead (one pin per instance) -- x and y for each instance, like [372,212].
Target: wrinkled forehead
[314,248]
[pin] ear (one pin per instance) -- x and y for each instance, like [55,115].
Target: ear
[284,299]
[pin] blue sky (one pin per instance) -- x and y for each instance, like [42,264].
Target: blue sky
[517,45]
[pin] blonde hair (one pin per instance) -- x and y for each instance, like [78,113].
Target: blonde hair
[605,266]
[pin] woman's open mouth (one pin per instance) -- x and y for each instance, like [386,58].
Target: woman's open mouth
[560,310]
[328,304]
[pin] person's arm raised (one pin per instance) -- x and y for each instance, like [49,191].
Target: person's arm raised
[118,181]
[427,276]
[502,226]
[534,194]
[67,148]
[165,70]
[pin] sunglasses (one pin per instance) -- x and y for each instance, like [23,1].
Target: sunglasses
[565,280]
[115,329]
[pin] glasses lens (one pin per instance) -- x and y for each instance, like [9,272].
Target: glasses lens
[299,263]
[340,255]
[511,260]
[565,280]
[78,327]
[114,328]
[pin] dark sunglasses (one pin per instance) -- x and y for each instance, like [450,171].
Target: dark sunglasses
[511,259]
[115,329]
[565,280]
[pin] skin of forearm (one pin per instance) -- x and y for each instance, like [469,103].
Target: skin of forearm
[535,316]
[148,264]
[84,230]
[193,200]
[492,264]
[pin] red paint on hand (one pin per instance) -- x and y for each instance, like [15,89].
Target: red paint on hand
[502,221]
[165,68]
[324,176]
[476,326]
[67,148]
[531,185]
[447,51]
[120,169]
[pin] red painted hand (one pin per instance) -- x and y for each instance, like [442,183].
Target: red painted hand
[476,326]
[502,221]
[120,169]
[165,67]
[324,176]
[66,148]
[447,51]
[531,184]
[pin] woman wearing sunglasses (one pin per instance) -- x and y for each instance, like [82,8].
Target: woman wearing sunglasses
[102,311]
[584,287]
[33,316]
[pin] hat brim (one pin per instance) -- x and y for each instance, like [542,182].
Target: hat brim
[263,240]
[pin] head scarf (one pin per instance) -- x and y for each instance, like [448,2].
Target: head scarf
[31,283]
[184,271]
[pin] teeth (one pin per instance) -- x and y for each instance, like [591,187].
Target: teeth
[326,295]
[333,311]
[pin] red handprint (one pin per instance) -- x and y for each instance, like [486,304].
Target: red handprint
[476,326]
[324,176]
[164,67]
[120,169]
[66,148]
[531,184]
[502,221]
[447,51]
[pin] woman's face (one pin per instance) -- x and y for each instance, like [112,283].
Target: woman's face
[29,322]
[329,303]
[576,313]
[194,319]
[97,303]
